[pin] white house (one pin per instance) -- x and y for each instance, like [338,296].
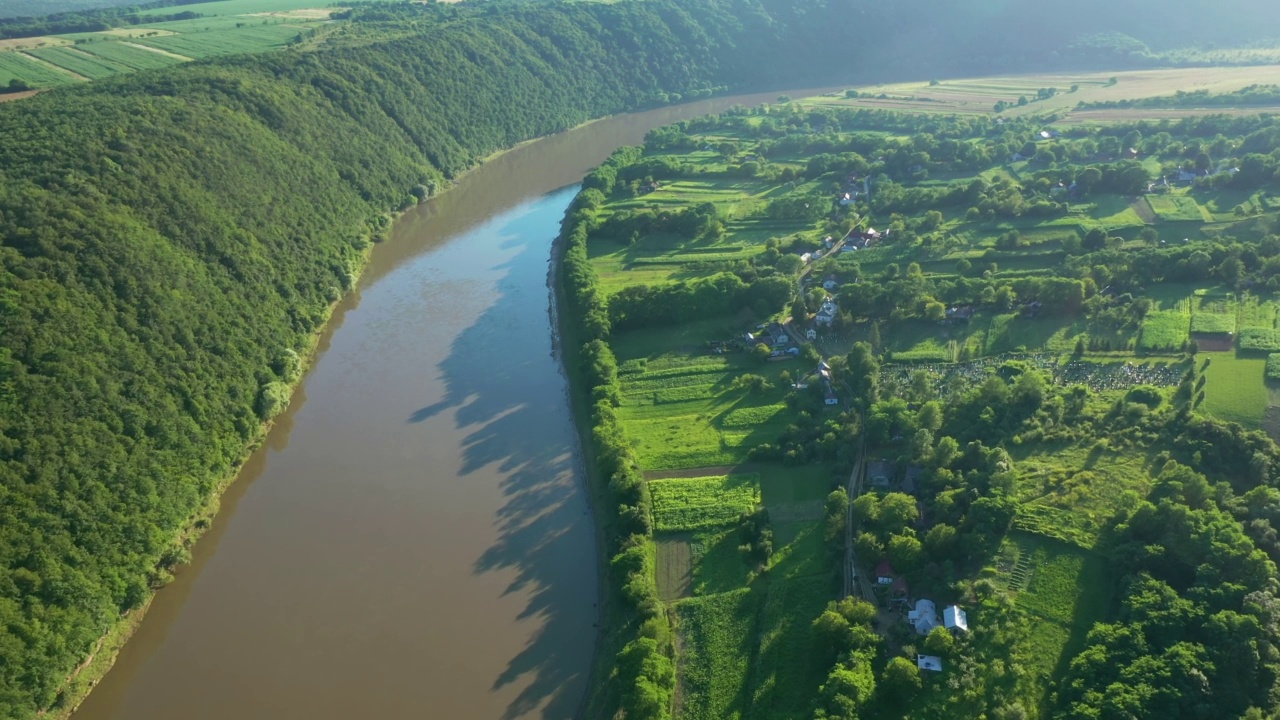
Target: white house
[929,662]
[810,334]
[953,618]
[826,314]
[924,617]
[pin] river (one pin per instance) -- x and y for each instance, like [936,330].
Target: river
[413,539]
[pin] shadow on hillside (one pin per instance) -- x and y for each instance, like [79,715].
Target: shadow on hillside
[506,389]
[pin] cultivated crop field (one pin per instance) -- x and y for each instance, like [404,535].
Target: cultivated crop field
[79,62]
[135,58]
[1175,208]
[696,503]
[17,66]
[252,38]
[684,412]
[979,95]
[230,27]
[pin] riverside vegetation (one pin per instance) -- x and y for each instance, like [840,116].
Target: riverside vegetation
[174,238]
[1059,334]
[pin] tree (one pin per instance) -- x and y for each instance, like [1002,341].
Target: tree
[900,679]
[847,689]
[939,642]
[837,507]
[1087,179]
[934,311]
[799,313]
[863,374]
[905,552]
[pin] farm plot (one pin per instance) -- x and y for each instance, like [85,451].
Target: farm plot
[129,56]
[685,411]
[719,638]
[1234,388]
[1213,314]
[1176,208]
[696,503]
[1164,331]
[1260,340]
[80,63]
[1255,312]
[16,66]
[255,38]
[242,7]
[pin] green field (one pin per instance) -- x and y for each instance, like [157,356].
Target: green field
[1063,588]
[695,503]
[684,412]
[15,66]
[1071,493]
[80,63]
[1213,314]
[1234,388]
[714,670]
[1176,208]
[131,57]
[1164,330]
[243,7]
[253,38]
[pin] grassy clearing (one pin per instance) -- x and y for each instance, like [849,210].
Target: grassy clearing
[1071,493]
[80,63]
[1234,388]
[1065,590]
[694,503]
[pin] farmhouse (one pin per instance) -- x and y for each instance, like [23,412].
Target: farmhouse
[924,618]
[884,572]
[954,619]
[929,662]
[827,313]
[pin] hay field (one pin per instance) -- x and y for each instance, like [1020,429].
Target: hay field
[979,95]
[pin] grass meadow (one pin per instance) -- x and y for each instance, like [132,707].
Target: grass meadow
[1234,389]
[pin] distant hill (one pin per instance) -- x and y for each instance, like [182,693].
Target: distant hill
[33,8]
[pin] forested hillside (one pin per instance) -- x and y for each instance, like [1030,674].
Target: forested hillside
[173,239]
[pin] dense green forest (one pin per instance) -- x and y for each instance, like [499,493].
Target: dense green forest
[172,241]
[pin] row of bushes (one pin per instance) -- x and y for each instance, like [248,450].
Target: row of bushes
[645,668]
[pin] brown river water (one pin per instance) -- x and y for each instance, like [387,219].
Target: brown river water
[413,540]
